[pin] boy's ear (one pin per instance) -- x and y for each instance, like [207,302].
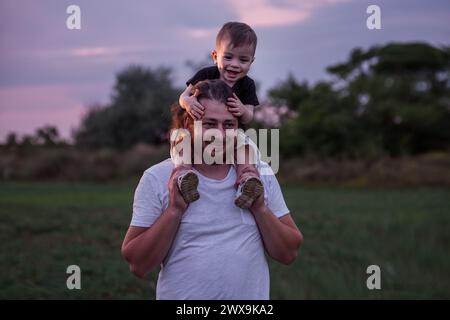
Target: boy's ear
[253,59]
[214,56]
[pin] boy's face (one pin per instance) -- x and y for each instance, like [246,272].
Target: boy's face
[233,62]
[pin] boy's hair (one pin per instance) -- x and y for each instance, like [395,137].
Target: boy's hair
[239,34]
[215,89]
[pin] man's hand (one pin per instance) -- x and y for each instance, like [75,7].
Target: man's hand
[248,172]
[176,200]
[193,107]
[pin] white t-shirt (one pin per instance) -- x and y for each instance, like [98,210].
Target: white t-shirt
[218,252]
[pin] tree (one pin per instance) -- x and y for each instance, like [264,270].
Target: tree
[289,93]
[11,140]
[47,136]
[393,99]
[139,111]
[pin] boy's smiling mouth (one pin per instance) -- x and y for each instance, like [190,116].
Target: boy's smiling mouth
[233,73]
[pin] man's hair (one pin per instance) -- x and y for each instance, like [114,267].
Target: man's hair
[215,89]
[239,34]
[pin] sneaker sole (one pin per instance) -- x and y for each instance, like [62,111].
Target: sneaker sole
[251,190]
[188,187]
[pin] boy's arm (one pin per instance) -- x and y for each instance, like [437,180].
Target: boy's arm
[238,109]
[248,113]
[190,103]
[185,94]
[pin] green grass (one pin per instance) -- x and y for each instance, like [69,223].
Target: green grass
[44,227]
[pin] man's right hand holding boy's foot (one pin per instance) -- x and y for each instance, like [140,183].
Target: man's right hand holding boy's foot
[187,182]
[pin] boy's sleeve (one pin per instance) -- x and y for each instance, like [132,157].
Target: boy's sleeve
[250,94]
[201,75]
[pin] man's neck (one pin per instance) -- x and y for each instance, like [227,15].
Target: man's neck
[218,171]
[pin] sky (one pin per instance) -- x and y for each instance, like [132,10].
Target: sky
[50,75]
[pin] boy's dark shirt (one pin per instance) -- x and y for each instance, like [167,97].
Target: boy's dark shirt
[244,88]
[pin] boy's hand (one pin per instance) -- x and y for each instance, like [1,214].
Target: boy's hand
[193,107]
[236,107]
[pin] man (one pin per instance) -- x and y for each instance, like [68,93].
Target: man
[209,249]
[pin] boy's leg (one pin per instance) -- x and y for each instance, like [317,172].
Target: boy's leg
[188,184]
[249,184]
[187,179]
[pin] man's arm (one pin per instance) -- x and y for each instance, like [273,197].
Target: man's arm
[281,237]
[146,248]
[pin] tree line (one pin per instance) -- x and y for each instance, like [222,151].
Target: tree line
[387,100]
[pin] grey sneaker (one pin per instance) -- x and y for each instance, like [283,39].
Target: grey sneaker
[248,191]
[188,183]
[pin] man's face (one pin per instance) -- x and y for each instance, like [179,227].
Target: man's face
[233,62]
[216,117]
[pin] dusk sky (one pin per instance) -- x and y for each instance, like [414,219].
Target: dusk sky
[51,75]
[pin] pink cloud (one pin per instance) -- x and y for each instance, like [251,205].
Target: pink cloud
[92,52]
[264,13]
[24,109]
[198,33]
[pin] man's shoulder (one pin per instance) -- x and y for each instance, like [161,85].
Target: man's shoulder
[265,170]
[161,170]
[267,175]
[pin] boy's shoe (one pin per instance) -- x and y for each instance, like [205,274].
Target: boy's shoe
[248,191]
[187,184]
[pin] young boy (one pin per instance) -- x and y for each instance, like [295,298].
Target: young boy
[233,56]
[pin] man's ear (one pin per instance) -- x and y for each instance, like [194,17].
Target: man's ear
[253,59]
[214,56]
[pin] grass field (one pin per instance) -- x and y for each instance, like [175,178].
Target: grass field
[44,227]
